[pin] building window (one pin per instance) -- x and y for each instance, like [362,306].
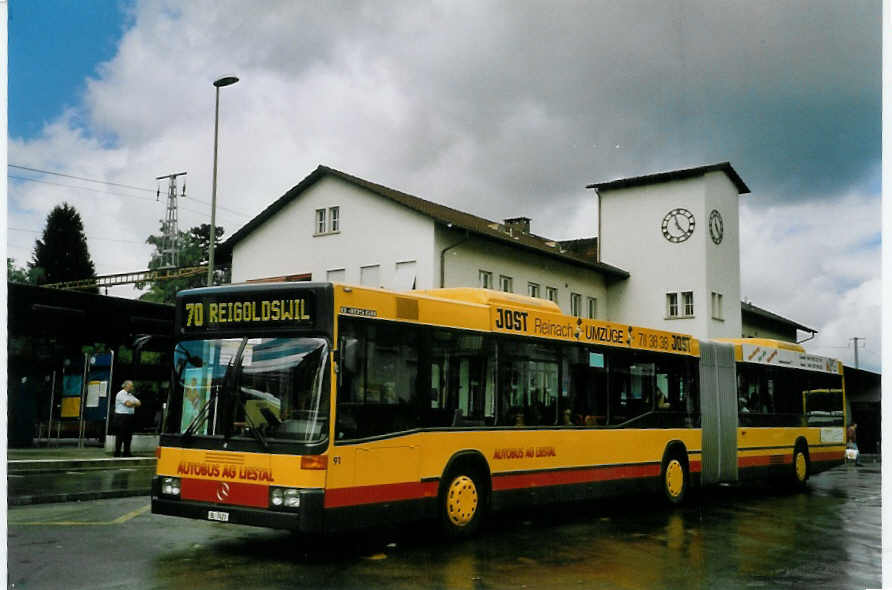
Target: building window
[592,307]
[505,284]
[687,300]
[551,294]
[575,304]
[533,289]
[370,276]
[485,279]
[671,305]
[404,280]
[320,221]
[336,275]
[717,306]
[334,219]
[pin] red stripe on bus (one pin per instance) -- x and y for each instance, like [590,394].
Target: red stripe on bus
[828,456]
[571,476]
[392,492]
[341,497]
[225,492]
[765,460]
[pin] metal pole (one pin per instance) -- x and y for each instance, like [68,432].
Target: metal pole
[214,193]
[49,428]
[108,394]
[80,433]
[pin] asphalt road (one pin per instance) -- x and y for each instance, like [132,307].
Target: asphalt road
[730,537]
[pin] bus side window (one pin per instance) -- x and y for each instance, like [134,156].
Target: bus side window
[378,380]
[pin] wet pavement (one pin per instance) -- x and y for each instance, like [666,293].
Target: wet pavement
[759,536]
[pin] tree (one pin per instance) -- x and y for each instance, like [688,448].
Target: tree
[15,274]
[193,252]
[62,253]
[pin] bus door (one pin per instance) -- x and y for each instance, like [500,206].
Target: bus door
[377,407]
[718,408]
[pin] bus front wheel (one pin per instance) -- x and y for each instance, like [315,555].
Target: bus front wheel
[461,504]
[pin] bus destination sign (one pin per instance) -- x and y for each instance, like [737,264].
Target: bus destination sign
[263,310]
[549,325]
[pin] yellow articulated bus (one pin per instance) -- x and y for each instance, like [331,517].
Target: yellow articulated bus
[320,407]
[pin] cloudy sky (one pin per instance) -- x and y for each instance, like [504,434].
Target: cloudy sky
[497,108]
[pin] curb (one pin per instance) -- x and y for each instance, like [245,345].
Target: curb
[77,496]
[22,466]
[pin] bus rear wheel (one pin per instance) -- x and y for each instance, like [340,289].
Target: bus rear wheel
[800,466]
[675,479]
[461,504]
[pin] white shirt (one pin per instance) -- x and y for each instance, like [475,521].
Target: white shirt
[124,396]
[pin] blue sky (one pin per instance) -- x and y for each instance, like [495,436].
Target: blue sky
[54,45]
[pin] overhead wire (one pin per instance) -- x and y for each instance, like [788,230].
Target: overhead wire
[128,186]
[101,192]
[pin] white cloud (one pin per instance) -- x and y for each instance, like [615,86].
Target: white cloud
[818,263]
[499,109]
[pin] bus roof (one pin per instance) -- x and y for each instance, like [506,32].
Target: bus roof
[505,313]
[765,351]
[763,342]
[490,297]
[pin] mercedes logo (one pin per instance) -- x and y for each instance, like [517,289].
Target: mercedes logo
[222,491]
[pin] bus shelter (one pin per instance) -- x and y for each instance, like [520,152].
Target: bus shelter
[68,353]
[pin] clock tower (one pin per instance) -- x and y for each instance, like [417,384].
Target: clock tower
[678,235]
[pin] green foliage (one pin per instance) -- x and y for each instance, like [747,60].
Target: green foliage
[62,254]
[15,274]
[193,252]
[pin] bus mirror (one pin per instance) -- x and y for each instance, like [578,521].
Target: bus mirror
[350,354]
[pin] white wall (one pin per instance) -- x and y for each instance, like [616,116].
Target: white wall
[631,238]
[723,260]
[464,262]
[373,230]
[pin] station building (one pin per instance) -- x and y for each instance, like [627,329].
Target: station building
[667,254]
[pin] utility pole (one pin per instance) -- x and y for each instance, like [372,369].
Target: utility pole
[170,247]
[855,340]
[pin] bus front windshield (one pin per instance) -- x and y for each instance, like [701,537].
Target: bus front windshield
[260,388]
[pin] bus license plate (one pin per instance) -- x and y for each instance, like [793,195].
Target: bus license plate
[219,516]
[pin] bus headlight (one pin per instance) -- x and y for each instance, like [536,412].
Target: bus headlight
[284,497]
[292,498]
[170,486]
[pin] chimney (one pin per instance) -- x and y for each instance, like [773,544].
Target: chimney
[518,224]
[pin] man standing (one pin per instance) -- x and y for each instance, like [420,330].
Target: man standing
[852,442]
[125,406]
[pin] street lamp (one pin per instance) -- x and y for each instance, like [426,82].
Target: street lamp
[225,81]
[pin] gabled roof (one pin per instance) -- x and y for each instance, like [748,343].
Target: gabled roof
[725,167]
[439,213]
[749,308]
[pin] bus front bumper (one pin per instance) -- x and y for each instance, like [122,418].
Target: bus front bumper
[307,519]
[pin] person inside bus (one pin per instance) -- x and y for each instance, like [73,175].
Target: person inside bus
[517,418]
[662,399]
[567,417]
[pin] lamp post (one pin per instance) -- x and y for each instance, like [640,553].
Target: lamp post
[225,81]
